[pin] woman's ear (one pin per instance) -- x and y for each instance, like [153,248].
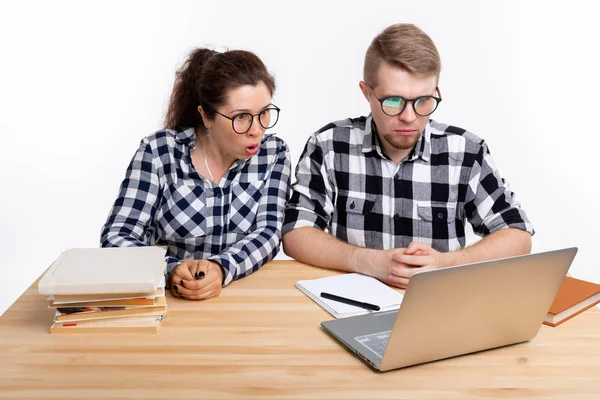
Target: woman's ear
[205,119]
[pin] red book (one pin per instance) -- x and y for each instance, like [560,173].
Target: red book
[574,297]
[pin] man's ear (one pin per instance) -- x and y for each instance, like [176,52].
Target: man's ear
[364,88]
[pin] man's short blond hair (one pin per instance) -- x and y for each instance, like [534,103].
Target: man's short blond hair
[404,46]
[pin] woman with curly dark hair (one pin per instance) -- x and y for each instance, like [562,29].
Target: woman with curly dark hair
[211,187]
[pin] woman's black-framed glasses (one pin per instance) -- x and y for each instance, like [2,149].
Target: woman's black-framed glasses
[423,105]
[241,123]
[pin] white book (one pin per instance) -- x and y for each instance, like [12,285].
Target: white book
[353,286]
[105,270]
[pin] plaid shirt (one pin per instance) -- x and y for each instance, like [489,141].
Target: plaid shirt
[163,201]
[348,186]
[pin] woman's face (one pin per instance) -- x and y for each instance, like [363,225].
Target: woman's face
[234,116]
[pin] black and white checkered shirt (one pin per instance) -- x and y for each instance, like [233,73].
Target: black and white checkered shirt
[163,201]
[348,186]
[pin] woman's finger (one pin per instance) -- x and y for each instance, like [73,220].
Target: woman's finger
[175,292]
[209,295]
[183,270]
[199,268]
[198,289]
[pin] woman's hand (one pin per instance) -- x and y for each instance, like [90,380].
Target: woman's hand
[196,280]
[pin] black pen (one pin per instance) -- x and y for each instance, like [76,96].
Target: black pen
[345,300]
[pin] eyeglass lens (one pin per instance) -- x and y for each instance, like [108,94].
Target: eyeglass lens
[267,119]
[423,105]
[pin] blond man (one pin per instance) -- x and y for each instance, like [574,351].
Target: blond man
[389,194]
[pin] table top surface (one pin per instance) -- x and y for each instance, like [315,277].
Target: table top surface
[261,338]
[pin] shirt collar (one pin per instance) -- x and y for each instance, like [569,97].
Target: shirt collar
[185,135]
[371,142]
[422,149]
[370,139]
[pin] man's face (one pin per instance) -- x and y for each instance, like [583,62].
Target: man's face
[401,132]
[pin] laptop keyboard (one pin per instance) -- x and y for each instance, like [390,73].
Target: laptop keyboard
[376,342]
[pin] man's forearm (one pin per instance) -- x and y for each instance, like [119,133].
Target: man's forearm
[500,244]
[315,247]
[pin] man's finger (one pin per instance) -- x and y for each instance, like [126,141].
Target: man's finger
[418,249]
[398,281]
[419,261]
[402,271]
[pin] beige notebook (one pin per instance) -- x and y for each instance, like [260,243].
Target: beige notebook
[105,270]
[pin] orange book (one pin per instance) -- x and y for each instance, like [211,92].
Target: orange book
[574,297]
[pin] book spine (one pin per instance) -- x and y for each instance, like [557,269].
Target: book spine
[317,299]
[93,315]
[102,330]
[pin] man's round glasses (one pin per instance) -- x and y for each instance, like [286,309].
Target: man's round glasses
[423,105]
[242,123]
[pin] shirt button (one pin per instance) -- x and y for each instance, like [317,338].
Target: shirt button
[218,193]
[396,217]
[440,215]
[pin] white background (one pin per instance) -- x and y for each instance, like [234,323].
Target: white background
[82,82]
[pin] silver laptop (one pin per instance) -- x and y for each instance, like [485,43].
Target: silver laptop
[459,310]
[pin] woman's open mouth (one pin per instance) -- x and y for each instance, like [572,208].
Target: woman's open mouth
[252,149]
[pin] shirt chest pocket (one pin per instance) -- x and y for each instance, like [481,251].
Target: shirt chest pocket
[182,212]
[354,217]
[245,199]
[436,223]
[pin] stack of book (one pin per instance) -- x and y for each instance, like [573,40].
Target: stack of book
[107,290]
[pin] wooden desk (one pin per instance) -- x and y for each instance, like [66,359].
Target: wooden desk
[261,338]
